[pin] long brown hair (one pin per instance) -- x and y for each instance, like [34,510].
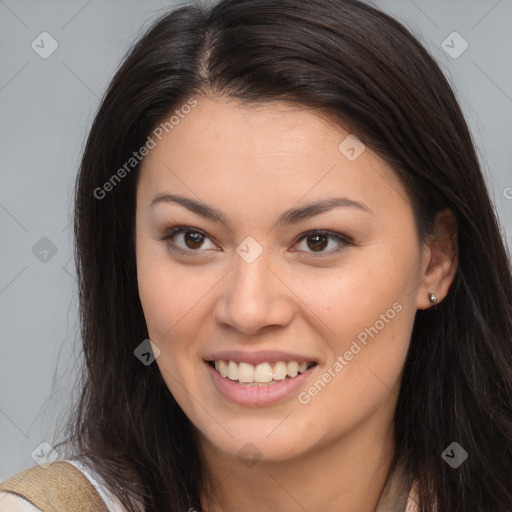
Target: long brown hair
[362,68]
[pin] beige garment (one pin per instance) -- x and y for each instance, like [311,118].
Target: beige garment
[55,488]
[39,490]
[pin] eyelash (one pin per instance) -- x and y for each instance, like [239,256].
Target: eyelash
[341,239]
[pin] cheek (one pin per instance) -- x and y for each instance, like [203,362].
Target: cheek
[158,296]
[167,304]
[360,292]
[168,293]
[367,313]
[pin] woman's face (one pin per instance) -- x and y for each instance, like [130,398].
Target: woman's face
[259,277]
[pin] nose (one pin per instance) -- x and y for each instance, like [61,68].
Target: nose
[253,298]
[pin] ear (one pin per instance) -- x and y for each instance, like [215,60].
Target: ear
[440,259]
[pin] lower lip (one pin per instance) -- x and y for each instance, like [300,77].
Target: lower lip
[258,396]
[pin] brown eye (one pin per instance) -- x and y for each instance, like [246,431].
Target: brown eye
[187,240]
[193,240]
[318,242]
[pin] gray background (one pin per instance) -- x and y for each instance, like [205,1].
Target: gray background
[47,106]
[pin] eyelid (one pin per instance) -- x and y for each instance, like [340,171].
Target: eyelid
[178,229]
[342,239]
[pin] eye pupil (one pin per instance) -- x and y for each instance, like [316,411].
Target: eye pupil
[320,242]
[194,238]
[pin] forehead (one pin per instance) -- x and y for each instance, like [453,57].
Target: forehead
[227,127]
[263,154]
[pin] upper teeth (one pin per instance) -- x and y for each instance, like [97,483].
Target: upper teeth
[264,372]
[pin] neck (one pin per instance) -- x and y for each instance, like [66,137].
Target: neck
[346,474]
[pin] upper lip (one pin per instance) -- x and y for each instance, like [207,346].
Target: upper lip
[262,356]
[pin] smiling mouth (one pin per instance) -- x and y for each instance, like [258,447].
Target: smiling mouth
[263,374]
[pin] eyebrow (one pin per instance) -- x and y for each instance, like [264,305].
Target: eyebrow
[291,216]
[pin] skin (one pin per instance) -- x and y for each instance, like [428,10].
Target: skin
[253,163]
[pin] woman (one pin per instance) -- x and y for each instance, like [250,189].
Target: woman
[284,197]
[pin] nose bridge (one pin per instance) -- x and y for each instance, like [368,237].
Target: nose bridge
[252,278]
[253,297]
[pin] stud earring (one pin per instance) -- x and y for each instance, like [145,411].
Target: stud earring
[432,297]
